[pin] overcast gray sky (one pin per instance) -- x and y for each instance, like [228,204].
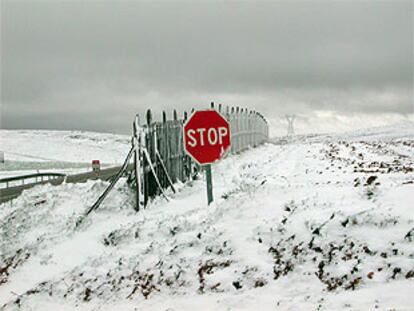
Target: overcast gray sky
[92,65]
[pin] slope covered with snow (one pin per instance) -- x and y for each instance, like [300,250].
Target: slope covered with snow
[322,224]
[31,151]
[63,146]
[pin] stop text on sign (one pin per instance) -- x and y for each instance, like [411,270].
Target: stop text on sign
[211,136]
[206,136]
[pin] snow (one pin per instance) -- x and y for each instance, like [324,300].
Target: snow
[297,226]
[327,121]
[70,152]
[63,146]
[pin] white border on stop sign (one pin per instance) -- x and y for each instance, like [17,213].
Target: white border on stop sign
[223,154]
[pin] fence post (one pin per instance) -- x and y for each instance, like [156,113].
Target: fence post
[249,124]
[256,128]
[187,158]
[242,127]
[137,161]
[161,147]
[253,123]
[178,146]
[237,115]
[157,162]
[147,172]
[246,128]
[166,155]
[172,151]
[232,131]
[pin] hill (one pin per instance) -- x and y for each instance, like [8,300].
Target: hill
[322,223]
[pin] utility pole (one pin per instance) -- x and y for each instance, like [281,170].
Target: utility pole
[290,130]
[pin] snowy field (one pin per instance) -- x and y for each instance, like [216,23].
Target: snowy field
[30,151]
[320,223]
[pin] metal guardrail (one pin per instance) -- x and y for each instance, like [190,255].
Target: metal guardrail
[48,176]
[12,191]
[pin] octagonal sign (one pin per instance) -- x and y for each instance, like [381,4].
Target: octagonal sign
[206,136]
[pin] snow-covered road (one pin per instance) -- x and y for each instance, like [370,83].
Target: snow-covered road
[319,224]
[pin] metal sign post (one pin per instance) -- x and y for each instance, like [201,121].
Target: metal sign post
[209,181]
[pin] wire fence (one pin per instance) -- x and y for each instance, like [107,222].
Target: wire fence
[160,159]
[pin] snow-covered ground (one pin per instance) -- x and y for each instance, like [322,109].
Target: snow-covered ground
[63,146]
[325,121]
[29,151]
[321,223]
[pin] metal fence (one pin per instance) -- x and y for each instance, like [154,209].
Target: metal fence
[160,159]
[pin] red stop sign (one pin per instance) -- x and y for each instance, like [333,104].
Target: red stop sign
[206,136]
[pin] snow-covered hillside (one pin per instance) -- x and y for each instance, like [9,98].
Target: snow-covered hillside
[323,223]
[29,151]
[63,146]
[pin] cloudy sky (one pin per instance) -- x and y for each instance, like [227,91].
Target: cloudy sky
[92,65]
